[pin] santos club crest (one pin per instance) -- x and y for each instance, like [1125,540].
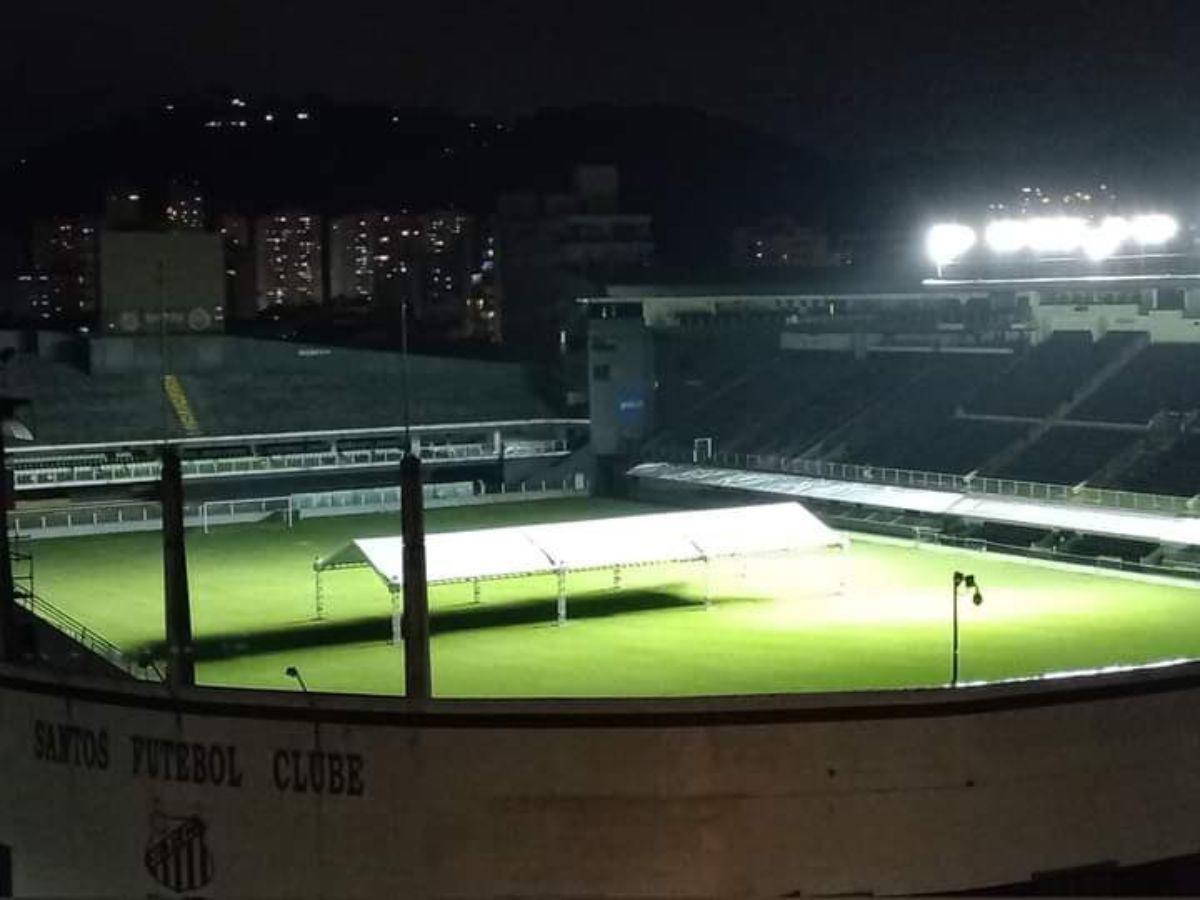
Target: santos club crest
[177,856]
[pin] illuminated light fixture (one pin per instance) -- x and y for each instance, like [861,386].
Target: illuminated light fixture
[947,242]
[1155,228]
[1055,234]
[1006,236]
[1102,242]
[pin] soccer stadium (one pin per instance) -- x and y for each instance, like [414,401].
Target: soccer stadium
[802,556]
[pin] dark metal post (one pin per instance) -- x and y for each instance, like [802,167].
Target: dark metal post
[415,623]
[181,663]
[958,577]
[969,581]
[10,639]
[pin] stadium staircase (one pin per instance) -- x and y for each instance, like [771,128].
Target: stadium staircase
[1008,455]
[1161,440]
[832,444]
[179,403]
[61,639]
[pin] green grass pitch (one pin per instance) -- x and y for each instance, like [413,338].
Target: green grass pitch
[781,626]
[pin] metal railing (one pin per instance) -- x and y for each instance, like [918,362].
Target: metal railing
[1107,498]
[103,518]
[29,475]
[924,534]
[88,637]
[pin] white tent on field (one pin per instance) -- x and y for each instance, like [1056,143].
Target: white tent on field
[696,536]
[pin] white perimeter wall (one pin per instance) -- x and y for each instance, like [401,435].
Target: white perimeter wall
[768,796]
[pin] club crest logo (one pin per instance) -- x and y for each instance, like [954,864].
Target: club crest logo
[177,856]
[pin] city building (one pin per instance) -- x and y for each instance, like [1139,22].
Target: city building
[288,260]
[551,249]
[61,283]
[442,264]
[485,299]
[375,260]
[237,235]
[152,281]
[125,208]
[184,209]
[782,242]
[449,243]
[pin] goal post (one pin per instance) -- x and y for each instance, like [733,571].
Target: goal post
[259,509]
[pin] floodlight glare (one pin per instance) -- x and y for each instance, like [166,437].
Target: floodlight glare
[1155,228]
[1006,236]
[1102,241]
[948,241]
[1056,234]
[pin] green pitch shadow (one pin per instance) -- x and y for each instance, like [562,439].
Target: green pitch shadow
[231,645]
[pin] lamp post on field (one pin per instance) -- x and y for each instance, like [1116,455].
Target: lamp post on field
[968,581]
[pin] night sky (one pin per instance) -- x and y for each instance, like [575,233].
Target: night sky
[863,79]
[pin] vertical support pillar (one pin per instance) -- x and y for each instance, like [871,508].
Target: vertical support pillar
[415,621]
[562,597]
[181,663]
[10,639]
[475,590]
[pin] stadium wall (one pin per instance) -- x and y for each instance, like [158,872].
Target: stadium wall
[116,789]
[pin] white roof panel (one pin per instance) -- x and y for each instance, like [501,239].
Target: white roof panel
[1142,526]
[596,543]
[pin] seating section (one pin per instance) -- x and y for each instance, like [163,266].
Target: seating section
[1003,535]
[958,446]
[900,409]
[1162,376]
[1067,455]
[1175,472]
[916,427]
[1050,374]
[70,406]
[754,397]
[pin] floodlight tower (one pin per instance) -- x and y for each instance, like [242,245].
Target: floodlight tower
[414,626]
[968,581]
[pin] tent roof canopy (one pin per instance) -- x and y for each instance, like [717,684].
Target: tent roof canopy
[514,551]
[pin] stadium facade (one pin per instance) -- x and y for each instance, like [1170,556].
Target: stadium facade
[1023,410]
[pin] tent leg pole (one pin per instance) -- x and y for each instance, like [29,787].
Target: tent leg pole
[397,617]
[707,583]
[562,598]
[319,595]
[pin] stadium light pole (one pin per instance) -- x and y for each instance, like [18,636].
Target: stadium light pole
[414,621]
[293,672]
[961,580]
[12,644]
[181,663]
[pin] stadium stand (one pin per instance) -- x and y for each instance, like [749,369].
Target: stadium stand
[754,397]
[277,391]
[1050,374]
[1161,377]
[1066,455]
[951,445]
[1176,471]
[917,410]
[916,427]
